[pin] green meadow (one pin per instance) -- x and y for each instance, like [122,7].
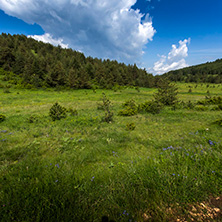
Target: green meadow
[80,168]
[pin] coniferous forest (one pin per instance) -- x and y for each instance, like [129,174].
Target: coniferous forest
[210,72]
[37,64]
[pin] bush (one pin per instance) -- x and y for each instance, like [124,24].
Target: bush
[106,105]
[127,112]
[153,107]
[130,126]
[73,112]
[215,100]
[201,108]
[167,93]
[2,118]
[131,108]
[33,119]
[6,90]
[217,108]
[57,112]
[219,122]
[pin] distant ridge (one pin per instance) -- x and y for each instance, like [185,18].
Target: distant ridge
[210,72]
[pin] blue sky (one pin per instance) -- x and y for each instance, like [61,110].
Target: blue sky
[158,35]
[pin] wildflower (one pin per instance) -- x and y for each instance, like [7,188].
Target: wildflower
[92,178]
[57,165]
[56,181]
[211,142]
[3,131]
[173,174]
[3,140]
[213,171]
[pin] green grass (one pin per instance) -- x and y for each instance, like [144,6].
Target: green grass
[81,169]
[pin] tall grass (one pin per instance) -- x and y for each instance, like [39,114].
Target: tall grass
[83,169]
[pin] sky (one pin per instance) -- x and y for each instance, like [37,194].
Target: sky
[158,35]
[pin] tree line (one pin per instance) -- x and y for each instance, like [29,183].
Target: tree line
[37,64]
[210,72]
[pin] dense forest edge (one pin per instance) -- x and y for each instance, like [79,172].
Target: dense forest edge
[210,72]
[28,63]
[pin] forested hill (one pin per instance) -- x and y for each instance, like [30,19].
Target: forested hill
[30,63]
[208,72]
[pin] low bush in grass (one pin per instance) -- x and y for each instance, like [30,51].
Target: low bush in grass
[217,108]
[129,108]
[105,105]
[72,112]
[218,122]
[33,119]
[201,108]
[2,118]
[153,107]
[130,126]
[57,112]
[215,100]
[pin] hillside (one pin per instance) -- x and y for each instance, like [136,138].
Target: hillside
[29,63]
[208,72]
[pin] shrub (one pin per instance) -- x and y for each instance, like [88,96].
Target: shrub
[127,112]
[219,122]
[131,108]
[189,105]
[6,90]
[153,107]
[33,118]
[57,112]
[167,93]
[130,126]
[73,112]
[201,108]
[215,100]
[2,118]
[106,105]
[217,108]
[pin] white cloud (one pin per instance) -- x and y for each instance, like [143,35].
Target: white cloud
[174,60]
[105,29]
[49,39]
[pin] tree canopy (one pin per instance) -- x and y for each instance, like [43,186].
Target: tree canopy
[38,64]
[210,72]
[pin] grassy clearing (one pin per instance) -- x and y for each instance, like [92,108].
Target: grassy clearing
[81,169]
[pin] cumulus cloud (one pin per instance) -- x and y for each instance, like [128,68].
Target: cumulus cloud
[174,60]
[107,29]
[47,38]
